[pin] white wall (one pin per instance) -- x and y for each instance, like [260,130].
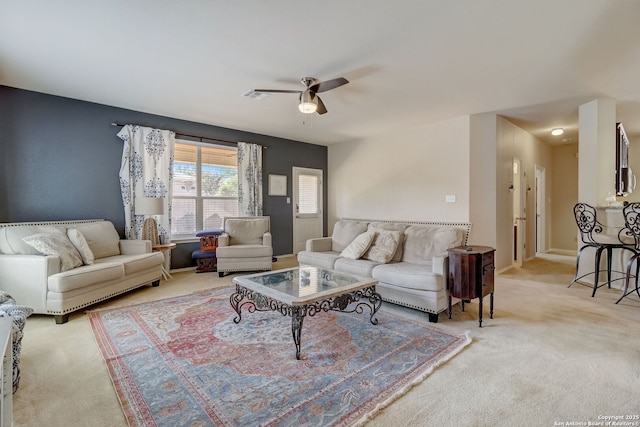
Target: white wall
[565,174]
[404,175]
[564,197]
[483,178]
[596,174]
[515,143]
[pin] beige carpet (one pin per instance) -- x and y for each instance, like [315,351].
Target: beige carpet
[551,354]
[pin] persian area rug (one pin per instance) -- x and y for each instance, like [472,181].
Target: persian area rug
[184,362]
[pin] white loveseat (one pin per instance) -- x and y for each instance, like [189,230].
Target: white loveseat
[409,259]
[39,265]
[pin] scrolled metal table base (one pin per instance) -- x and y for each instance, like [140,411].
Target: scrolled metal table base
[351,302]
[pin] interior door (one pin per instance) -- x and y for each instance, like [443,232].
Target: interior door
[541,243]
[519,212]
[307,206]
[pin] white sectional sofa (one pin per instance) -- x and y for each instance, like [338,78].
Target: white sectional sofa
[57,267]
[409,259]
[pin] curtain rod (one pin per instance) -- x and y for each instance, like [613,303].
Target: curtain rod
[193,136]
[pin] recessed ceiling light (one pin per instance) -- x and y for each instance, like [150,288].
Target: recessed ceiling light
[557,131]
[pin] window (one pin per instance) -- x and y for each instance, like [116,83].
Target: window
[308,188]
[205,187]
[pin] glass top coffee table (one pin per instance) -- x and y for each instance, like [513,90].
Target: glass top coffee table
[305,291]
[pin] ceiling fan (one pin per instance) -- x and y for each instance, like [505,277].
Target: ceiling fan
[310,102]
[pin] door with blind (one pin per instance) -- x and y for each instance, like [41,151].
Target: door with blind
[307,206]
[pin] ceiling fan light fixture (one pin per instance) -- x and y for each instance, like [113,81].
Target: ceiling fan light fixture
[308,103]
[557,131]
[307,107]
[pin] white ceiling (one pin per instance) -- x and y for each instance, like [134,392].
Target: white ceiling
[409,62]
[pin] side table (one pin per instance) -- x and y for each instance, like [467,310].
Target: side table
[167,260]
[471,275]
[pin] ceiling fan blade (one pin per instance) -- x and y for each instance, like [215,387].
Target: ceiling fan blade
[321,108]
[328,85]
[276,90]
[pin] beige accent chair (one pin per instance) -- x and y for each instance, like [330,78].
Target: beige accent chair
[245,245]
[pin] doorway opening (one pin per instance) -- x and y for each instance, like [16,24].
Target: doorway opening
[519,212]
[541,241]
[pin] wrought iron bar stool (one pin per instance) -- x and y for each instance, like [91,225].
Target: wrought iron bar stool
[593,236]
[631,214]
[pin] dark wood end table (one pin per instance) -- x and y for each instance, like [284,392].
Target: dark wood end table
[471,275]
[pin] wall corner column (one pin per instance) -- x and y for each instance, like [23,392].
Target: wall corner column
[597,151]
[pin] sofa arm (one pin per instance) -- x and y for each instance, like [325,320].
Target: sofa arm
[321,244]
[266,239]
[135,247]
[223,240]
[25,278]
[441,265]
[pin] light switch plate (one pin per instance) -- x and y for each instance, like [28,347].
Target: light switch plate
[450,198]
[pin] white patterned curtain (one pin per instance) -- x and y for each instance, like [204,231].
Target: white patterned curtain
[249,179]
[146,171]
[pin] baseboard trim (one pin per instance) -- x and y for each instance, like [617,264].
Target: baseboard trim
[179,270]
[567,252]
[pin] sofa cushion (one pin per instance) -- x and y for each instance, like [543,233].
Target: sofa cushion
[56,244]
[135,263]
[422,242]
[344,232]
[102,238]
[359,246]
[11,238]
[375,226]
[361,267]
[246,231]
[320,259]
[87,275]
[244,251]
[384,246]
[410,276]
[81,245]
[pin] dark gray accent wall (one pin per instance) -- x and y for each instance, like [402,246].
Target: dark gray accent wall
[60,159]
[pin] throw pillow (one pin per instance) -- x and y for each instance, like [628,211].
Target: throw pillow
[384,246]
[81,245]
[11,238]
[344,231]
[423,242]
[359,246]
[57,245]
[102,237]
[392,226]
